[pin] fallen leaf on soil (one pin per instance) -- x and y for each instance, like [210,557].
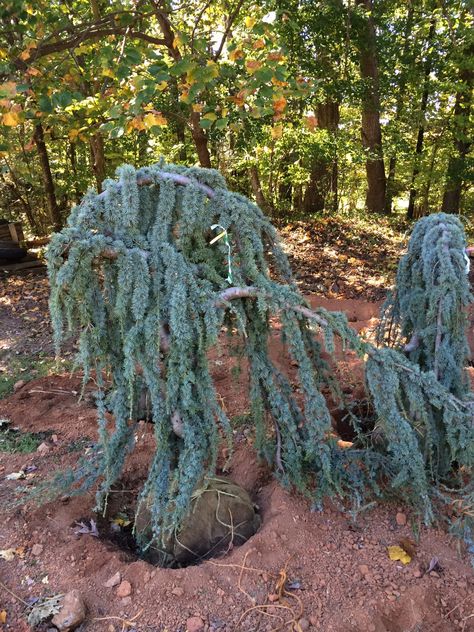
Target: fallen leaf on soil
[7,554]
[397,553]
[121,521]
[44,609]
[3,616]
[87,530]
[16,476]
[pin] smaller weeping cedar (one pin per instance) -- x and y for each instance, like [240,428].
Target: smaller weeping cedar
[426,314]
[426,318]
[139,276]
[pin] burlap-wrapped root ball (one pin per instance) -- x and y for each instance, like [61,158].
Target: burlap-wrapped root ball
[222,515]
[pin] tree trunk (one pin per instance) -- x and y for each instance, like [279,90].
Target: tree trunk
[456,171]
[181,138]
[257,188]
[200,141]
[399,106]
[371,129]
[421,129]
[322,187]
[53,208]
[96,143]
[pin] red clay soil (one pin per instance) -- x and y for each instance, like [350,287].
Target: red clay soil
[339,575]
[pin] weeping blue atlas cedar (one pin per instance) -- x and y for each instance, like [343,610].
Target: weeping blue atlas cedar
[140,277]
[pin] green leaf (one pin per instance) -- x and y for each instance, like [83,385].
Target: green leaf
[44,103]
[205,123]
[117,132]
[181,67]
[222,123]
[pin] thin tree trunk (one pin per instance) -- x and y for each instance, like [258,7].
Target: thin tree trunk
[257,188]
[371,129]
[421,129]
[457,163]
[322,187]
[200,140]
[53,208]
[96,143]
[399,106]
[181,138]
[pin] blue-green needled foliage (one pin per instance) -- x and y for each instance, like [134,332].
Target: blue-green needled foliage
[148,274]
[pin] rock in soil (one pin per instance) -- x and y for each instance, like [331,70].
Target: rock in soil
[125,589]
[194,624]
[72,613]
[113,581]
[37,549]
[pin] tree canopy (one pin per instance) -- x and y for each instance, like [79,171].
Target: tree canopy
[305,106]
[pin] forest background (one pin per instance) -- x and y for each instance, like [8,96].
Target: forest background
[306,106]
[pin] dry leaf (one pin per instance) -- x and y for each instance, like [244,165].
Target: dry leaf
[397,553]
[7,554]
[3,616]
[16,476]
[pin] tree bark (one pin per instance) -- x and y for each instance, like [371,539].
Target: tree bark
[399,105]
[322,187]
[200,141]
[421,129]
[53,208]
[257,188]
[371,129]
[96,143]
[457,163]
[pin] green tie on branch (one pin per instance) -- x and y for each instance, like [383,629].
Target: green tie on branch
[141,277]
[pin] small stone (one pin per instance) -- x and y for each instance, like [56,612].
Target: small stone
[126,601]
[18,385]
[72,613]
[43,448]
[273,597]
[401,519]
[434,574]
[371,627]
[314,621]
[124,589]
[37,549]
[113,581]
[194,624]
[178,591]
[54,438]
[363,569]
[417,573]
[304,624]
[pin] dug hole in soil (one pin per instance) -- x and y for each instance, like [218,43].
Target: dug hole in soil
[339,577]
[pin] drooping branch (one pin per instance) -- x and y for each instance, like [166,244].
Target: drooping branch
[176,177]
